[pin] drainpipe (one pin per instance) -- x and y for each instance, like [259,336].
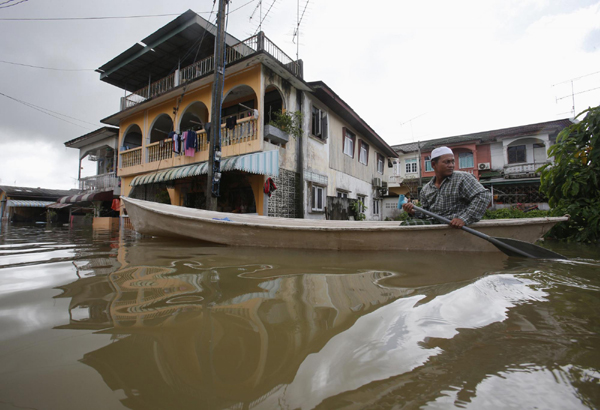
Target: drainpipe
[300,163]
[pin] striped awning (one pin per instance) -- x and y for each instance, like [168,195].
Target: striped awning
[58,205]
[23,203]
[87,197]
[264,163]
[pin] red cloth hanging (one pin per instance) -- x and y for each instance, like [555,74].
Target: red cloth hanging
[269,187]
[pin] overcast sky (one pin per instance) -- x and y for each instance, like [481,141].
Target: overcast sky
[412,70]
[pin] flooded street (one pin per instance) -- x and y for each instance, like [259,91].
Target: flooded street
[95,319]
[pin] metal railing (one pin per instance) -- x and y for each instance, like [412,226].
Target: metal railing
[203,67]
[527,169]
[99,182]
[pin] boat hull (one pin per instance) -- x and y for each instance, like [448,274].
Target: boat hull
[155,219]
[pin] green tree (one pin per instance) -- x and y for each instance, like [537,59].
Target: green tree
[572,182]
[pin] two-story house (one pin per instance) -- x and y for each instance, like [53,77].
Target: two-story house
[168,79]
[505,160]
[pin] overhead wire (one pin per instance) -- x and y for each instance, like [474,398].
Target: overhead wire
[11,5]
[46,68]
[48,112]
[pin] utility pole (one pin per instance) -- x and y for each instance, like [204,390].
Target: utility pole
[214,154]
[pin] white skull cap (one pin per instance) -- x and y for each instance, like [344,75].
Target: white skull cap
[438,152]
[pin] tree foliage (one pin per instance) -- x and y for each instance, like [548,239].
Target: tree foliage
[572,182]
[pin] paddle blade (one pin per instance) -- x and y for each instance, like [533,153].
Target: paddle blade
[508,246]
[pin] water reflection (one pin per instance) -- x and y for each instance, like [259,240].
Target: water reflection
[215,327]
[175,325]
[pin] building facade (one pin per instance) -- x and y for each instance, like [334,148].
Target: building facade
[336,158]
[506,161]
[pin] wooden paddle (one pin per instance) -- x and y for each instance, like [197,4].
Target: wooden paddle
[511,247]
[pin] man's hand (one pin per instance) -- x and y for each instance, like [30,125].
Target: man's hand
[457,223]
[408,208]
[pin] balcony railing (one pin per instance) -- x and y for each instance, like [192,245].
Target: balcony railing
[131,157]
[523,170]
[101,182]
[203,67]
[244,131]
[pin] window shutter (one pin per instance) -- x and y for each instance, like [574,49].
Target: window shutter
[324,125]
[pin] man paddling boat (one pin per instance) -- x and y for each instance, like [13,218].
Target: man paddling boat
[455,195]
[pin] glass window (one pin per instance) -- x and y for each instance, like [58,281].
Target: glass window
[362,200]
[364,153]
[465,160]
[342,194]
[318,123]
[376,207]
[349,144]
[411,166]
[516,154]
[380,163]
[428,166]
[317,200]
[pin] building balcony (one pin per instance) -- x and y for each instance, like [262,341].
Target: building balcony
[102,182]
[523,170]
[242,139]
[251,46]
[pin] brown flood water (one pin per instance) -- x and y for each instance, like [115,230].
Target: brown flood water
[110,319]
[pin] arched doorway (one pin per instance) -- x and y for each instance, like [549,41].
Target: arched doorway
[161,128]
[132,138]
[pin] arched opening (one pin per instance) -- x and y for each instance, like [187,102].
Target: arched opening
[239,103]
[526,150]
[194,117]
[273,103]
[236,193]
[132,138]
[161,128]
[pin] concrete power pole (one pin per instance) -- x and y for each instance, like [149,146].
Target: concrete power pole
[214,153]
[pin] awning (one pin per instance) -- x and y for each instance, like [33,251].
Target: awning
[88,197]
[22,203]
[57,205]
[264,163]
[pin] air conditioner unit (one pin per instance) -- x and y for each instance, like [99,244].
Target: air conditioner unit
[484,165]
[377,182]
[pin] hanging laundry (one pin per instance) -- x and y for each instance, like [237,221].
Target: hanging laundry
[191,143]
[173,136]
[182,138]
[269,187]
[230,123]
[116,205]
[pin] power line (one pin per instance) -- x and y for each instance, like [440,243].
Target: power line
[93,18]
[47,68]
[10,5]
[48,112]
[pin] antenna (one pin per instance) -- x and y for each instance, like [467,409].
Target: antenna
[297,30]
[573,93]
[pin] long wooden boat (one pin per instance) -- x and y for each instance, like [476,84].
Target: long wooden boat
[151,218]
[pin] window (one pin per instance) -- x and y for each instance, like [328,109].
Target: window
[317,200]
[428,166]
[465,160]
[364,153]
[516,154]
[380,163]
[362,199]
[342,194]
[411,166]
[376,206]
[349,139]
[318,126]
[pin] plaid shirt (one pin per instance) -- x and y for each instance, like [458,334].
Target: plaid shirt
[459,196]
